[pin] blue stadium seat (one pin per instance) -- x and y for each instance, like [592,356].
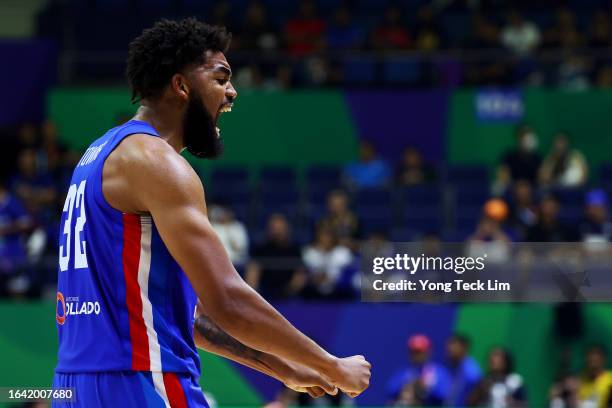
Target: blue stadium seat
[456,235]
[605,173]
[230,174]
[375,219]
[571,214]
[276,197]
[359,70]
[402,234]
[373,197]
[570,196]
[323,174]
[422,218]
[402,70]
[229,183]
[466,218]
[229,196]
[467,174]
[242,211]
[277,175]
[470,196]
[317,195]
[421,194]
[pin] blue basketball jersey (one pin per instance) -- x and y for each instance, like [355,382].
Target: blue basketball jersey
[123,303]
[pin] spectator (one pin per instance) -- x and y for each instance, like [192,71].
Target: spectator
[521,163]
[565,33]
[370,171]
[35,188]
[391,34]
[256,32]
[548,227]
[424,382]
[523,209]
[597,227]
[304,34]
[340,219]
[232,233]
[596,381]
[377,244]
[564,393]
[344,34]
[427,35]
[15,224]
[325,260]
[489,238]
[573,73]
[485,36]
[28,136]
[58,159]
[520,36]
[275,269]
[413,170]
[13,143]
[465,373]
[604,77]
[564,166]
[501,387]
[600,34]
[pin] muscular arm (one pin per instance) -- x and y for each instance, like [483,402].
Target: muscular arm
[147,176]
[210,337]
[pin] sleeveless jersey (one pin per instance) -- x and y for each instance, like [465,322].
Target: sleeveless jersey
[123,303]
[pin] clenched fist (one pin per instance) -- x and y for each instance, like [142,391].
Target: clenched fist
[351,375]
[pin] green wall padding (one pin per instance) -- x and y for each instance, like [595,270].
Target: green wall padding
[264,128]
[584,115]
[527,330]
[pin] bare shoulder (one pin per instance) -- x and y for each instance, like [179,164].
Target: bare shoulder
[143,168]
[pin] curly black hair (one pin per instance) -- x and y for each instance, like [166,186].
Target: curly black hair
[165,49]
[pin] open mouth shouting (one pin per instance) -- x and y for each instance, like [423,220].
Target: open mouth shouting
[226,107]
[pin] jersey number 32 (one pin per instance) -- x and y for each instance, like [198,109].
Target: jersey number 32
[75,202]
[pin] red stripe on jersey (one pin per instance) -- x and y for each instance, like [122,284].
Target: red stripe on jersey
[174,391]
[131,259]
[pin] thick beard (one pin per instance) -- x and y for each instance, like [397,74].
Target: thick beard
[199,131]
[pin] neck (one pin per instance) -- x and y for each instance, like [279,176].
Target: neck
[163,118]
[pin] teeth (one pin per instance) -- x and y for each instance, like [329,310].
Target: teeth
[225,109]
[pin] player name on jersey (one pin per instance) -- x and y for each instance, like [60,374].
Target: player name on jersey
[91,154]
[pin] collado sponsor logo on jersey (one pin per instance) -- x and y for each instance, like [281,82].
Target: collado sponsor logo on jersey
[72,306]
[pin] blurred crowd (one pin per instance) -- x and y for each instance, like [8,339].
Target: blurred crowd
[459,381]
[309,43]
[35,170]
[296,241]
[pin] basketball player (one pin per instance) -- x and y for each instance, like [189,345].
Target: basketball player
[143,278]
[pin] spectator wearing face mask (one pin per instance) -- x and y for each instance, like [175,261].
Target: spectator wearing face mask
[522,162]
[564,166]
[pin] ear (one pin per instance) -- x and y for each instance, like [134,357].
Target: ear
[179,86]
